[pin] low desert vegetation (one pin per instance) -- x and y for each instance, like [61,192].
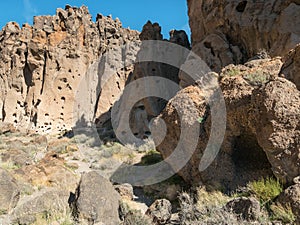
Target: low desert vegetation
[282,213]
[208,207]
[266,190]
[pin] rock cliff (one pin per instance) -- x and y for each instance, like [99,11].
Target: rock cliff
[42,66]
[225,31]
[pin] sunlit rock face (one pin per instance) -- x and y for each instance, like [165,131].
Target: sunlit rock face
[42,66]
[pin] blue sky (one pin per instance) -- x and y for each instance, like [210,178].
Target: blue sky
[171,14]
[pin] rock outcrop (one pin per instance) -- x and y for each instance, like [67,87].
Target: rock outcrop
[262,131]
[43,65]
[291,67]
[247,208]
[145,109]
[225,31]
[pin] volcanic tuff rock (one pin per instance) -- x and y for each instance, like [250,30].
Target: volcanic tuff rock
[291,66]
[262,126]
[225,31]
[147,108]
[42,66]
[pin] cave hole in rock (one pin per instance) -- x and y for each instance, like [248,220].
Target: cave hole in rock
[142,113]
[241,6]
[250,160]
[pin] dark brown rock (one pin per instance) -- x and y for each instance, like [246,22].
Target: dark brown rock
[246,208]
[225,31]
[291,67]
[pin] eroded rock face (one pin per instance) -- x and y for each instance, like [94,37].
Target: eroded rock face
[42,66]
[261,138]
[291,66]
[275,120]
[147,108]
[225,32]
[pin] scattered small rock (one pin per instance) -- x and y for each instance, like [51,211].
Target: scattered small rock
[125,190]
[247,208]
[160,211]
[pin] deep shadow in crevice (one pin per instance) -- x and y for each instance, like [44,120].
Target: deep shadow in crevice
[250,160]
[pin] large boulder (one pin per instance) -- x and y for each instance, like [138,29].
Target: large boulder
[9,192]
[225,31]
[262,130]
[275,120]
[96,200]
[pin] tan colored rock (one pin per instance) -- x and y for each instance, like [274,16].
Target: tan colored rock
[291,66]
[50,171]
[42,66]
[9,192]
[43,206]
[225,32]
[150,107]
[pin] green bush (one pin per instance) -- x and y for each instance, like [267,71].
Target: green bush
[151,157]
[257,78]
[265,189]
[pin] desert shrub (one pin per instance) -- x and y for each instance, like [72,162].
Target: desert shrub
[284,214]
[210,199]
[151,157]
[135,217]
[208,208]
[232,73]
[51,217]
[257,78]
[265,189]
